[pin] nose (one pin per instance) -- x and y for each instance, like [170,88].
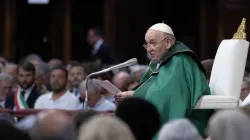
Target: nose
[149,48]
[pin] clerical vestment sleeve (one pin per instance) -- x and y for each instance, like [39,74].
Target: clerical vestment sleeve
[177,87]
[170,91]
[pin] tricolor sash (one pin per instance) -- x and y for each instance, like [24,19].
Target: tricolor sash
[20,102]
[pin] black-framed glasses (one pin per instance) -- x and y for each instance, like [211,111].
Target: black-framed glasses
[146,45]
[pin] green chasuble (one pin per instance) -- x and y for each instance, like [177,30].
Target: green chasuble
[175,86]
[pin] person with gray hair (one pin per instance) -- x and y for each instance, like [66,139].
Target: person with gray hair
[245,90]
[181,129]
[6,83]
[34,58]
[11,68]
[175,80]
[229,125]
[96,100]
[105,128]
[42,74]
[53,125]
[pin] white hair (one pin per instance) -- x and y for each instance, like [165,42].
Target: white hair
[181,129]
[105,128]
[6,76]
[92,86]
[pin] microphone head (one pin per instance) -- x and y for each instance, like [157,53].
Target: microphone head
[133,61]
[128,63]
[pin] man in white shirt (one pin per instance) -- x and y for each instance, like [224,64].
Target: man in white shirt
[6,81]
[59,98]
[96,101]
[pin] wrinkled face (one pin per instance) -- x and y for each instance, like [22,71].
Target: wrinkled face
[245,89]
[157,44]
[91,37]
[5,89]
[76,75]
[25,78]
[93,98]
[58,80]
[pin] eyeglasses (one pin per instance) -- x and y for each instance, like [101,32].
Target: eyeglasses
[147,45]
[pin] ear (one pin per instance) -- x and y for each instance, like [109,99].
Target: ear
[168,44]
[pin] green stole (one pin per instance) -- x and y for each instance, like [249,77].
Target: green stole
[175,86]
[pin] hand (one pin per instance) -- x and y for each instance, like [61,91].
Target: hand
[122,95]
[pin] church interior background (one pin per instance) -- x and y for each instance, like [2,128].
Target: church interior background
[58,29]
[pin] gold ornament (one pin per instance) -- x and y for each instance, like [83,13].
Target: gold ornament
[240,34]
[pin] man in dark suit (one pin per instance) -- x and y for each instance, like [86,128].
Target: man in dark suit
[27,92]
[100,49]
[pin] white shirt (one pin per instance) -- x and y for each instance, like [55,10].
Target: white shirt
[97,46]
[76,92]
[67,102]
[27,123]
[2,104]
[103,105]
[110,98]
[246,101]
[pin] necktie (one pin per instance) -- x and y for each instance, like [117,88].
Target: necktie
[23,92]
[76,92]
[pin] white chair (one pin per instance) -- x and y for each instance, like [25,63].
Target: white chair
[227,73]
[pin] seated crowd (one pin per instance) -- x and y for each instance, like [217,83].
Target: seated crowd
[57,87]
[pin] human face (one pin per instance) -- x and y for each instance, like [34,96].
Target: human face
[93,98]
[245,89]
[25,78]
[5,89]
[91,37]
[58,80]
[156,44]
[76,75]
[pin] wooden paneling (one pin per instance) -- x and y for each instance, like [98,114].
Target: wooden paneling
[9,29]
[2,3]
[110,22]
[67,31]
[57,29]
[84,15]
[208,29]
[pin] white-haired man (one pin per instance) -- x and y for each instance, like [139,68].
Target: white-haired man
[6,81]
[175,80]
[96,101]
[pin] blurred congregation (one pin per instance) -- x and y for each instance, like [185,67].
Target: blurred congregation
[49,47]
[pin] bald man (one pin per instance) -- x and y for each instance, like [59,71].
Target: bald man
[121,80]
[175,80]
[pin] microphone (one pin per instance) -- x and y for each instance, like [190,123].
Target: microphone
[127,63]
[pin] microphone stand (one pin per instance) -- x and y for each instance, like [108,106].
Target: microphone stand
[130,62]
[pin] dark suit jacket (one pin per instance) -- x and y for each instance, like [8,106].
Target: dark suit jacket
[107,55]
[34,94]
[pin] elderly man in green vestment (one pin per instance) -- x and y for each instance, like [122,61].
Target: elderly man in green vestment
[175,80]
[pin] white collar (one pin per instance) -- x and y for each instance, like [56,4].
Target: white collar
[65,93]
[28,90]
[97,46]
[2,103]
[100,101]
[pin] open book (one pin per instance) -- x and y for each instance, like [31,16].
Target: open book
[107,85]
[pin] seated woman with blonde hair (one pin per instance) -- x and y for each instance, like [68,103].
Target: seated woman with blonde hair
[105,128]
